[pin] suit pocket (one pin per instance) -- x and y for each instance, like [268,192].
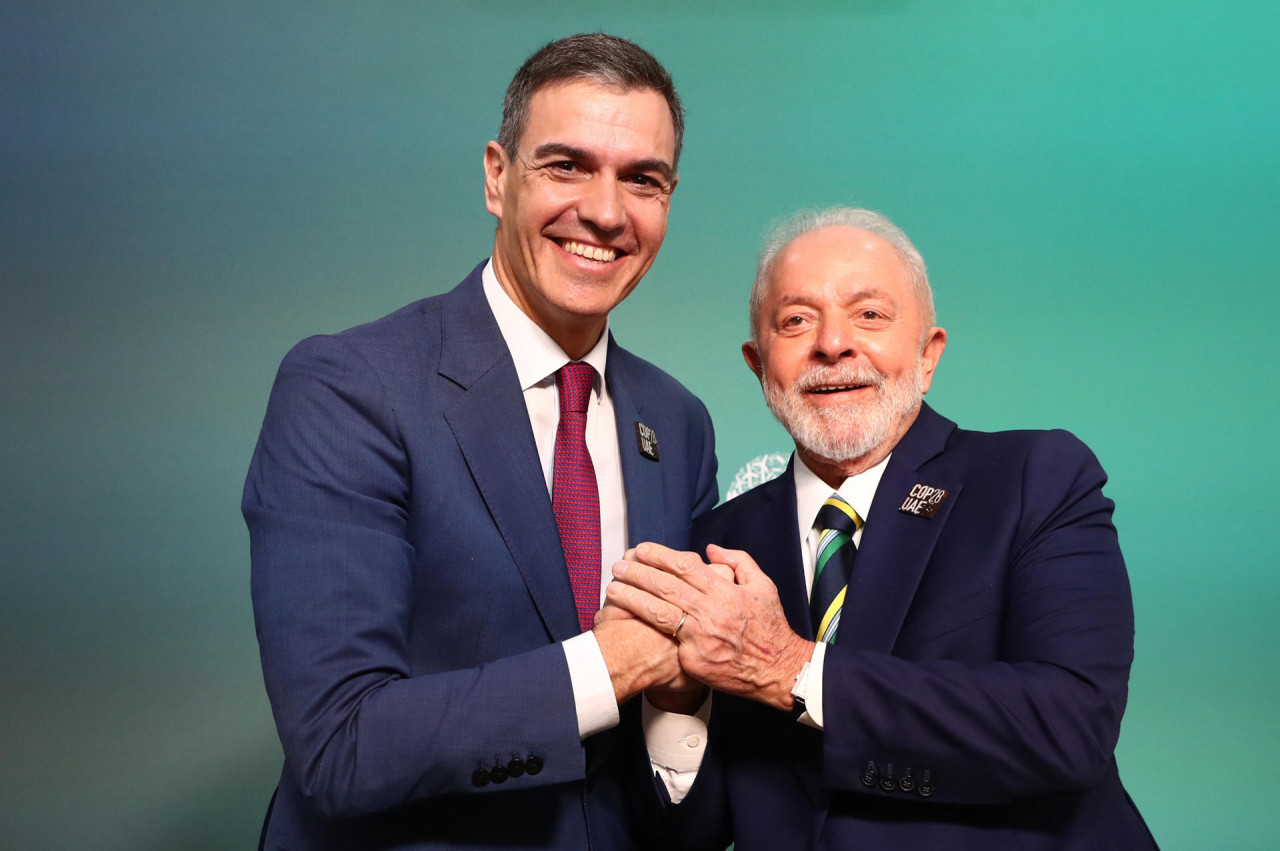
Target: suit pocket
[964,623]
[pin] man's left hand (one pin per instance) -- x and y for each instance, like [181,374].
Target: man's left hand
[735,636]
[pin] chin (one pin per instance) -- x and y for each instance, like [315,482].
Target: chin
[845,433]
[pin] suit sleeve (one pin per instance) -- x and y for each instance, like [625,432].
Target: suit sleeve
[1045,717]
[326,502]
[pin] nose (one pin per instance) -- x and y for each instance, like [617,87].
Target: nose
[834,340]
[602,203]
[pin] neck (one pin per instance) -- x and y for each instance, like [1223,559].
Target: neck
[575,334]
[834,473]
[575,342]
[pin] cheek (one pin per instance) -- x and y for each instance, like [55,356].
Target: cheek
[784,365]
[650,222]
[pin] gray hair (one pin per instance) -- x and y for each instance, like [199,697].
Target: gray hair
[606,60]
[782,232]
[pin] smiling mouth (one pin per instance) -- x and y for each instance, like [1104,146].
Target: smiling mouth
[837,388]
[590,252]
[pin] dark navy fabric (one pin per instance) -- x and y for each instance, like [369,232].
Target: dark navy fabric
[974,693]
[409,588]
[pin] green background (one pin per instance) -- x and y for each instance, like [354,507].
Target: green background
[185,191]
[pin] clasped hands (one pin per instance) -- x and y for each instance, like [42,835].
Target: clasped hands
[697,624]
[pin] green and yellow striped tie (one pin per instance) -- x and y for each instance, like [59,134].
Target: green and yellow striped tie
[837,521]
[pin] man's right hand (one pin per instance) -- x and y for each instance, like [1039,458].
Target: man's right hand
[639,657]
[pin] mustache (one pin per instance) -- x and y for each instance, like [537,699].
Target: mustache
[849,373]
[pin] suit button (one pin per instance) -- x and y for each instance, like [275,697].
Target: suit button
[925,789]
[869,776]
[906,782]
[479,778]
[887,783]
[515,767]
[533,764]
[498,774]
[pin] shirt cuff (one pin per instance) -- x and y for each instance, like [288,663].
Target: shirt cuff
[676,745]
[812,691]
[592,687]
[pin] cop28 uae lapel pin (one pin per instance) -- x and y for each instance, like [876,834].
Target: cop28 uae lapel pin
[647,440]
[923,501]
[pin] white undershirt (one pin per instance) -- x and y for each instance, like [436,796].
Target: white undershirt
[668,735]
[537,359]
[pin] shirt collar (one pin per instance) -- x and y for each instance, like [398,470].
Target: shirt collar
[812,491]
[536,355]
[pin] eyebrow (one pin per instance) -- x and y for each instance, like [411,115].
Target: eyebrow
[560,149]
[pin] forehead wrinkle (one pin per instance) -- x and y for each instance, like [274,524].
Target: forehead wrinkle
[863,293]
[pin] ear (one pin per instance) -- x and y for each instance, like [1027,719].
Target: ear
[496,165]
[751,354]
[930,354]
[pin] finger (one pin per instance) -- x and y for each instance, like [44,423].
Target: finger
[723,566]
[657,582]
[612,613]
[685,565]
[745,569]
[724,571]
[655,611]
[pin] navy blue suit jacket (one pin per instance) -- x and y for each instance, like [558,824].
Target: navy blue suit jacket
[410,590]
[973,697]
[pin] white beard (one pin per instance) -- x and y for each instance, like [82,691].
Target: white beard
[845,433]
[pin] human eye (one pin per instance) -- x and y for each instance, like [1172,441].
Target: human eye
[643,183]
[793,322]
[563,169]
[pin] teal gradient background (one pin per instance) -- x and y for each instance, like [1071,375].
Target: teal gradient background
[187,190]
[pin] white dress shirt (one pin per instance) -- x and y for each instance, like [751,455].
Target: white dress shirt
[537,358]
[669,735]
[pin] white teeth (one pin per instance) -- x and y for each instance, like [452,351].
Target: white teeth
[591,252]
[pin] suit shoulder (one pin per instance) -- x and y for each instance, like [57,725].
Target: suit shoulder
[1017,442]
[404,335]
[1031,459]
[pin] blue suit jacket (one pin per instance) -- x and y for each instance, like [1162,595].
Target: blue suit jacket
[410,591]
[973,697]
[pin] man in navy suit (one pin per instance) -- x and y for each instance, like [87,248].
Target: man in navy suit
[421,644]
[963,684]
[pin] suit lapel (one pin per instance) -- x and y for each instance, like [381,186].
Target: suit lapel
[641,477]
[770,535]
[491,424]
[896,546]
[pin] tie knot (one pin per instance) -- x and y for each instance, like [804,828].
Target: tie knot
[838,515]
[574,381]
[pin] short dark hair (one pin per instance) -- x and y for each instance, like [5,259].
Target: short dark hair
[606,60]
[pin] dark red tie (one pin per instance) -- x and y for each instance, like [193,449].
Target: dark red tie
[574,497]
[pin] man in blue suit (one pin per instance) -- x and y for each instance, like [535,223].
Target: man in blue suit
[430,663]
[927,637]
